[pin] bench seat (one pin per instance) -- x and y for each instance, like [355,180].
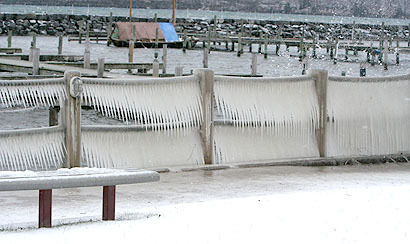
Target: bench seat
[45,181]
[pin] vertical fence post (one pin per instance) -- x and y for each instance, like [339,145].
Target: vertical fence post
[109,30]
[100,68]
[156,38]
[80,31]
[205,60]
[60,44]
[266,46]
[164,58]
[36,61]
[206,81]
[254,63]
[321,79]
[72,118]
[179,71]
[155,66]
[10,34]
[87,55]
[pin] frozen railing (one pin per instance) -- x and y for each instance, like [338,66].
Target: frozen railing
[202,119]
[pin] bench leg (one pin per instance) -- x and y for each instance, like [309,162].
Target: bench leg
[44,215]
[108,203]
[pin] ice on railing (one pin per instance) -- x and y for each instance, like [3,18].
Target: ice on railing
[246,144]
[163,103]
[368,118]
[272,118]
[283,103]
[129,148]
[27,93]
[32,149]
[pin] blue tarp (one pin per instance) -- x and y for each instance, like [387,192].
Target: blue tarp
[169,32]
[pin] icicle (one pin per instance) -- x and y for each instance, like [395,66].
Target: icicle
[132,147]
[368,116]
[164,103]
[31,149]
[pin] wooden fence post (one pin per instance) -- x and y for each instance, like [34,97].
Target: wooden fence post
[321,79]
[206,81]
[205,60]
[254,63]
[164,58]
[87,55]
[72,118]
[100,68]
[36,61]
[109,30]
[155,66]
[60,44]
[10,34]
[179,71]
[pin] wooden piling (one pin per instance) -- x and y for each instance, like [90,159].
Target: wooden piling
[72,118]
[80,31]
[266,47]
[208,45]
[60,44]
[156,38]
[206,81]
[354,31]
[36,61]
[254,63]
[155,17]
[34,42]
[109,30]
[100,68]
[155,66]
[184,44]
[205,58]
[215,20]
[164,58]
[321,79]
[9,37]
[87,55]
[179,71]
[239,52]
[87,34]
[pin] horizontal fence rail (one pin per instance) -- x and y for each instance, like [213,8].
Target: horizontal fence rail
[207,119]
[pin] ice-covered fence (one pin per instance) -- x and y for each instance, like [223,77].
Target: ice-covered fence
[140,147]
[167,114]
[32,149]
[160,103]
[272,118]
[368,116]
[45,92]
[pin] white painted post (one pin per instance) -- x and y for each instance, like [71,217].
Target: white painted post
[87,55]
[155,66]
[206,81]
[205,61]
[179,71]
[36,61]
[164,58]
[321,79]
[72,118]
[100,68]
[254,63]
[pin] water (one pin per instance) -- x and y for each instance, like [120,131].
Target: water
[197,14]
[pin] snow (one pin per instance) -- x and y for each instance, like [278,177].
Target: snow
[352,204]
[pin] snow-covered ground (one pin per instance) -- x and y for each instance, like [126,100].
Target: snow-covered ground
[350,204]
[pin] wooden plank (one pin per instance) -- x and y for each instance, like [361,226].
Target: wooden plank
[10,50]
[108,203]
[44,210]
[109,66]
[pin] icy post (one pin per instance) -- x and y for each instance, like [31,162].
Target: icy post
[87,55]
[72,121]
[321,79]
[206,82]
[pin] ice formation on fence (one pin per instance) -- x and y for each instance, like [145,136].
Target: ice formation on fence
[246,144]
[368,116]
[164,103]
[131,146]
[45,92]
[34,149]
[284,109]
